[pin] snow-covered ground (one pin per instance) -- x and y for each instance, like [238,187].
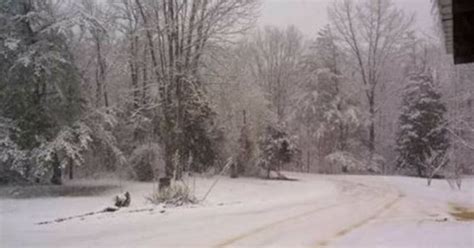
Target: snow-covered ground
[421,218]
[316,211]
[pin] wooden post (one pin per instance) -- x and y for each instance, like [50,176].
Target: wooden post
[164,183]
[308,154]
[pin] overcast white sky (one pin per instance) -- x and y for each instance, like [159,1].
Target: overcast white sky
[310,15]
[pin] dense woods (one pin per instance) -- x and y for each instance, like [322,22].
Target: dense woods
[146,89]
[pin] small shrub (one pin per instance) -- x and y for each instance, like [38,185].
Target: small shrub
[277,148]
[177,194]
[347,162]
[122,200]
[342,162]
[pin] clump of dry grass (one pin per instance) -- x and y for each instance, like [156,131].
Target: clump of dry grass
[462,213]
[177,194]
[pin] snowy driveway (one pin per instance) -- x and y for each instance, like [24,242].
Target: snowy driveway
[317,211]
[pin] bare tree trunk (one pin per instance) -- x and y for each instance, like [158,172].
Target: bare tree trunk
[145,75]
[372,125]
[308,157]
[71,169]
[134,68]
[57,172]
[98,75]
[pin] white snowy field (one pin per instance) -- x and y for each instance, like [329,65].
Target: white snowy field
[316,211]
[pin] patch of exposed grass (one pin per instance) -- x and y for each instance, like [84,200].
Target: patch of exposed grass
[462,213]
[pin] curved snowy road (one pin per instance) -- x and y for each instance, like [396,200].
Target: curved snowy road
[317,211]
[319,223]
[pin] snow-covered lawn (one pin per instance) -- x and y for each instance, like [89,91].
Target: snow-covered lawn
[317,210]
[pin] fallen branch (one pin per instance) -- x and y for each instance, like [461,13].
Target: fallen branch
[105,210]
[283,177]
[58,220]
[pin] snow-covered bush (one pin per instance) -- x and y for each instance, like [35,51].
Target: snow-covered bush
[342,162]
[277,147]
[177,194]
[375,164]
[67,148]
[347,162]
[13,162]
[105,152]
[11,157]
[68,145]
[37,163]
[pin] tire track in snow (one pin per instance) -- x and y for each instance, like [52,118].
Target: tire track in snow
[386,207]
[263,228]
[273,224]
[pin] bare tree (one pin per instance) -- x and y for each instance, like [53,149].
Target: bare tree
[178,35]
[97,29]
[373,32]
[276,61]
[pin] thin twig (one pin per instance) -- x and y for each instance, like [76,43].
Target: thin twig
[229,162]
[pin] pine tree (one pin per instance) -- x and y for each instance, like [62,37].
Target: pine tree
[39,90]
[277,148]
[423,127]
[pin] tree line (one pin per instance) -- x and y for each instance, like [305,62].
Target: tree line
[148,88]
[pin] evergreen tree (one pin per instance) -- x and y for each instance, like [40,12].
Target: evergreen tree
[423,132]
[39,89]
[194,134]
[277,148]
